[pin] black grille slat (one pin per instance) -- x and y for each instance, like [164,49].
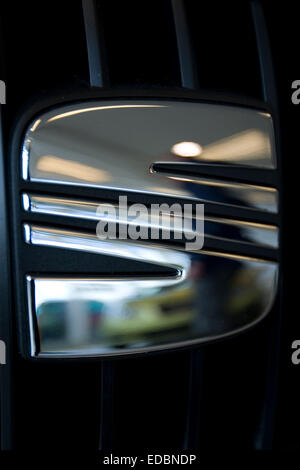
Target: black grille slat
[188,68]
[95,44]
[141,43]
[146,45]
[225,47]
[264,53]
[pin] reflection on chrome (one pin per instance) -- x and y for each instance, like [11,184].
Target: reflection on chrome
[234,194]
[113,144]
[147,251]
[247,232]
[211,295]
[248,145]
[115,316]
[79,171]
[102,108]
[80,241]
[187,149]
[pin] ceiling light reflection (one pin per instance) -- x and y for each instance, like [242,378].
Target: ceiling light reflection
[97,108]
[187,149]
[251,144]
[61,166]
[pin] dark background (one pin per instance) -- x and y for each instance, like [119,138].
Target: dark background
[43,53]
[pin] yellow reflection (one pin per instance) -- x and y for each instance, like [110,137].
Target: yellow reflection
[163,189]
[250,144]
[60,166]
[97,108]
[33,128]
[187,149]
